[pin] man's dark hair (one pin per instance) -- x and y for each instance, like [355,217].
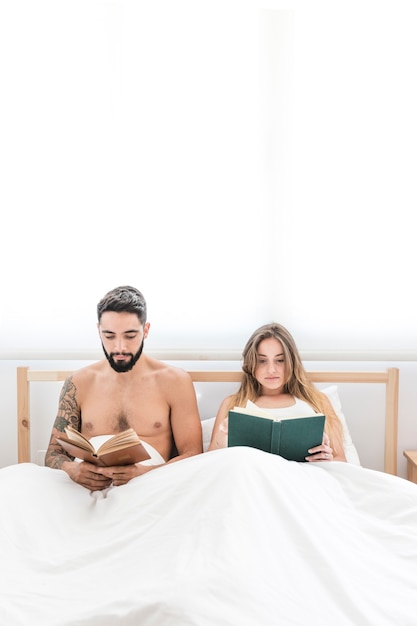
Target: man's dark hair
[124,299]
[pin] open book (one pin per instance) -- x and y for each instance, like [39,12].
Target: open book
[291,437]
[121,449]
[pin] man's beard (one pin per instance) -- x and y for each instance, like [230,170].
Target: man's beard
[123,366]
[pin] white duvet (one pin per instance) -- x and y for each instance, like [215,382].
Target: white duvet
[234,537]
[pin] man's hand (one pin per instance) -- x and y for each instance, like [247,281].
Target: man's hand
[121,474]
[97,478]
[87,475]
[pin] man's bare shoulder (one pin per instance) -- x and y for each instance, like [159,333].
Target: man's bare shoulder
[89,372]
[166,371]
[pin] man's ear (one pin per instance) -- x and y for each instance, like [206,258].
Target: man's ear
[146,329]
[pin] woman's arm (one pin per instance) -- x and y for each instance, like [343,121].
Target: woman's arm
[219,434]
[331,448]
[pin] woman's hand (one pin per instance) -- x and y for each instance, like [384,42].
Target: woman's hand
[321,453]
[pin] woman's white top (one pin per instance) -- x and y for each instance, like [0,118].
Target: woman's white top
[300,408]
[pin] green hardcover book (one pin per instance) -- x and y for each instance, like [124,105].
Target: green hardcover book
[291,438]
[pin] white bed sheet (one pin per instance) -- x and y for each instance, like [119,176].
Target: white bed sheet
[233,537]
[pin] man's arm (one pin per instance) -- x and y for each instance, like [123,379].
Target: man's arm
[185,417]
[68,414]
[56,457]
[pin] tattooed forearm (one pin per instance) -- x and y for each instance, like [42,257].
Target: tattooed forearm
[55,457]
[68,410]
[68,414]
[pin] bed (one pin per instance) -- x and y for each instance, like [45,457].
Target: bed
[229,537]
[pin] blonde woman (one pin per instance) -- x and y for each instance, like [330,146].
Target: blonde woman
[274,379]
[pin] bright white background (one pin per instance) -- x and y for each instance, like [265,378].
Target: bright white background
[130,154]
[239,161]
[349,225]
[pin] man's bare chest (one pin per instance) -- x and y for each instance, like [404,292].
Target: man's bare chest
[113,409]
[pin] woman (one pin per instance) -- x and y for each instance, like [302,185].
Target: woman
[274,379]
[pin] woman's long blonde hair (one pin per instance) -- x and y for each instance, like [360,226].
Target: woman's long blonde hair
[296,384]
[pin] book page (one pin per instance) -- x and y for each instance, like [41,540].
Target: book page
[76,438]
[252,409]
[124,439]
[99,440]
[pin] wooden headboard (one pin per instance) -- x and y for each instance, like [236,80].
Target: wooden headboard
[389,377]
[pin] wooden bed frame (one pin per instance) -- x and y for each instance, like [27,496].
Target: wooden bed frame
[389,377]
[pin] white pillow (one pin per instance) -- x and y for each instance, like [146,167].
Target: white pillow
[333,394]
[350,450]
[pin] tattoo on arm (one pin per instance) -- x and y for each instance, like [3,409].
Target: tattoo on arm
[68,414]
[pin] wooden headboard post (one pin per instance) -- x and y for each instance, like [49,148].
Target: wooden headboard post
[23,415]
[389,377]
[391,420]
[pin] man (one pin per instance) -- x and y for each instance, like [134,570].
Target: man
[126,389]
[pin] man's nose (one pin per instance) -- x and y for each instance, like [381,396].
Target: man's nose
[119,345]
